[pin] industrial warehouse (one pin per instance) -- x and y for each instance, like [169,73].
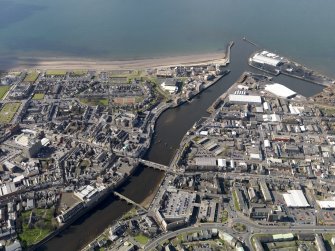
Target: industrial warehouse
[266,57]
[280,90]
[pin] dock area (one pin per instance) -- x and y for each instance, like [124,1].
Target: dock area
[275,64]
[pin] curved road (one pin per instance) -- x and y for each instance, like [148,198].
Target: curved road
[257,229]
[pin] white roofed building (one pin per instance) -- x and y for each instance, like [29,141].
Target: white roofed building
[266,58]
[246,99]
[295,198]
[280,90]
[170,85]
[222,163]
[205,162]
[326,204]
[271,117]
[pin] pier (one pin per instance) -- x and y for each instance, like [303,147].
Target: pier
[122,197]
[231,43]
[250,42]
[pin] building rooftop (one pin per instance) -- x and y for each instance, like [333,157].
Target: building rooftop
[326,204]
[266,58]
[295,198]
[245,98]
[280,90]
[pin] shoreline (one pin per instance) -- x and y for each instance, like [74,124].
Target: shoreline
[72,63]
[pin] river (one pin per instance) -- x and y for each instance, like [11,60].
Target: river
[170,128]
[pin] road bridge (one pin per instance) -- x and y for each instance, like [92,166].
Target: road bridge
[122,197]
[157,166]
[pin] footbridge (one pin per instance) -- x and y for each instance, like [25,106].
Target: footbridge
[122,197]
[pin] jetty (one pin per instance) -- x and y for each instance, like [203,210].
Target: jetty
[229,46]
[250,42]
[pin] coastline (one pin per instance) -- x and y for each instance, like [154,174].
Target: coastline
[49,63]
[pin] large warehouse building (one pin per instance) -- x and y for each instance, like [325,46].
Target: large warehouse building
[295,198]
[245,99]
[280,90]
[326,204]
[266,57]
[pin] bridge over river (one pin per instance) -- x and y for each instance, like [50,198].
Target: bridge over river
[157,166]
[130,201]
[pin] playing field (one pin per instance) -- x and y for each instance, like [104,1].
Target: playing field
[95,101]
[31,77]
[3,90]
[124,100]
[57,73]
[38,96]
[8,111]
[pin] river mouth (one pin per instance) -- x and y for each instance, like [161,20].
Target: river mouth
[170,128]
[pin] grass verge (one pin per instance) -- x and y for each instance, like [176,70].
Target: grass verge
[8,111]
[224,218]
[237,206]
[31,77]
[3,90]
[57,73]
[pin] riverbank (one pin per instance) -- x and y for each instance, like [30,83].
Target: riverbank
[98,64]
[152,193]
[169,129]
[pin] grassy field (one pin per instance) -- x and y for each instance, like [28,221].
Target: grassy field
[8,111]
[3,90]
[142,239]
[42,224]
[94,102]
[131,74]
[58,73]
[38,96]
[31,77]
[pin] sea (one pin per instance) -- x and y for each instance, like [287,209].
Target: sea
[131,29]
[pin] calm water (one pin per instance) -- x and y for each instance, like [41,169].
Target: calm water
[115,29]
[84,230]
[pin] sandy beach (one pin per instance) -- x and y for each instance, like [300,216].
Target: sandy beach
[78,63]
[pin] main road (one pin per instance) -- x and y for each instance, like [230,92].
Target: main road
[264,229]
